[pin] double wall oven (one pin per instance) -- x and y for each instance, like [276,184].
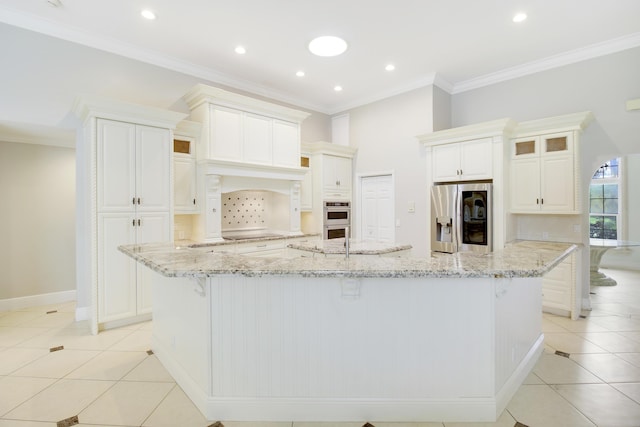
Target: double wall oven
[336,219]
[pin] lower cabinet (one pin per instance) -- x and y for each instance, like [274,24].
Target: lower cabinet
[558,287]
[124,289]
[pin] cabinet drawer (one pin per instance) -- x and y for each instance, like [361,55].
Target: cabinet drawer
[253,247]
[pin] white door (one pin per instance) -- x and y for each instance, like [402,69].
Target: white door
[153,163]
[116,166]
[377,209]
[154,227]
[225,134]
[257,139]
[116,271]
[184,185]
[446,162]
[286,144]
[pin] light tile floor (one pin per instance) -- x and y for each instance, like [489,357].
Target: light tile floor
[110,380]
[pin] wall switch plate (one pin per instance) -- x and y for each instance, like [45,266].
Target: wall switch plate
[411,207]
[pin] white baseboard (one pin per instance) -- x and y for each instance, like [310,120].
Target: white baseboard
[479,409]
[36,300]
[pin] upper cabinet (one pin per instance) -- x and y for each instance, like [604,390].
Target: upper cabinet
[543,177]
[463,161]
[467,153]
[544,168]
[185,199]
[332,167]
[241,129]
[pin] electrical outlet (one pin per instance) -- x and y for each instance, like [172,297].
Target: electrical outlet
[545,235]
[411,208]
[576,228]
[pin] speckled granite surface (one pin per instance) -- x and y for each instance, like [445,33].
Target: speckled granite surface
[519,259]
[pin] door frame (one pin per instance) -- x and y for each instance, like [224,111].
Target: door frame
[356,213]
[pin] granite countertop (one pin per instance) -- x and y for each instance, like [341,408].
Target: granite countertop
[518,259]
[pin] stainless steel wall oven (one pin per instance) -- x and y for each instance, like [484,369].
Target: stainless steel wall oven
[336,219]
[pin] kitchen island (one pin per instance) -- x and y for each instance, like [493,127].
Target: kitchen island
[449,337]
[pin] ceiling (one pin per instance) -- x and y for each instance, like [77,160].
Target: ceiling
[457,44]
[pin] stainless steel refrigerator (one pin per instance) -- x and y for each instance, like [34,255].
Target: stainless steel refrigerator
[461,218]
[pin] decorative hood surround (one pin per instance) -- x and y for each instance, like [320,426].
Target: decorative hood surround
[246,144]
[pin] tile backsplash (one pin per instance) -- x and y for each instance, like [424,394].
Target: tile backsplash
[244,210]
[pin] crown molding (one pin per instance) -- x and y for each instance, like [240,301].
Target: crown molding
[87,106]
[107,44]
[566,122]
[26,133]
[130,51]
[571,57]
[480,130]
[202,93]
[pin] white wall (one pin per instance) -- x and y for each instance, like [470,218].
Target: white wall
[37,220]
[384,133]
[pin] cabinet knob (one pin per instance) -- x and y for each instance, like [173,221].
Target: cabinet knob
[537,201]
[139,223]
[542,201]
[213,210]
[138,200]
[194,201]
[133,200]
[133,222]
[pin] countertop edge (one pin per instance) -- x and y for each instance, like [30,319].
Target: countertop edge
[205,264]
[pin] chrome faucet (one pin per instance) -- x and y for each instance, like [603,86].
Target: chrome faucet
[346,241]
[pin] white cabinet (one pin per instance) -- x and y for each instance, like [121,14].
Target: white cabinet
[242,129]
[257,145]
[184,175]
[463,161]
[225,134]
[336,177]
[123,196]
[543,178]
[185,180]
[286,144]
[184,186]
[133,206]
[211,227]
[246,137]
[123,289]
[306,186]
[558,287]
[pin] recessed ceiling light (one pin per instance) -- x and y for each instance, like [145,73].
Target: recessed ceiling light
[519,17]
[327,46]
[390,67]
[148,14]
[54,3]
[300,73]
[240,50]
[337,88]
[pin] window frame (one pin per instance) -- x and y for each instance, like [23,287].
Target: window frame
[620,180]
